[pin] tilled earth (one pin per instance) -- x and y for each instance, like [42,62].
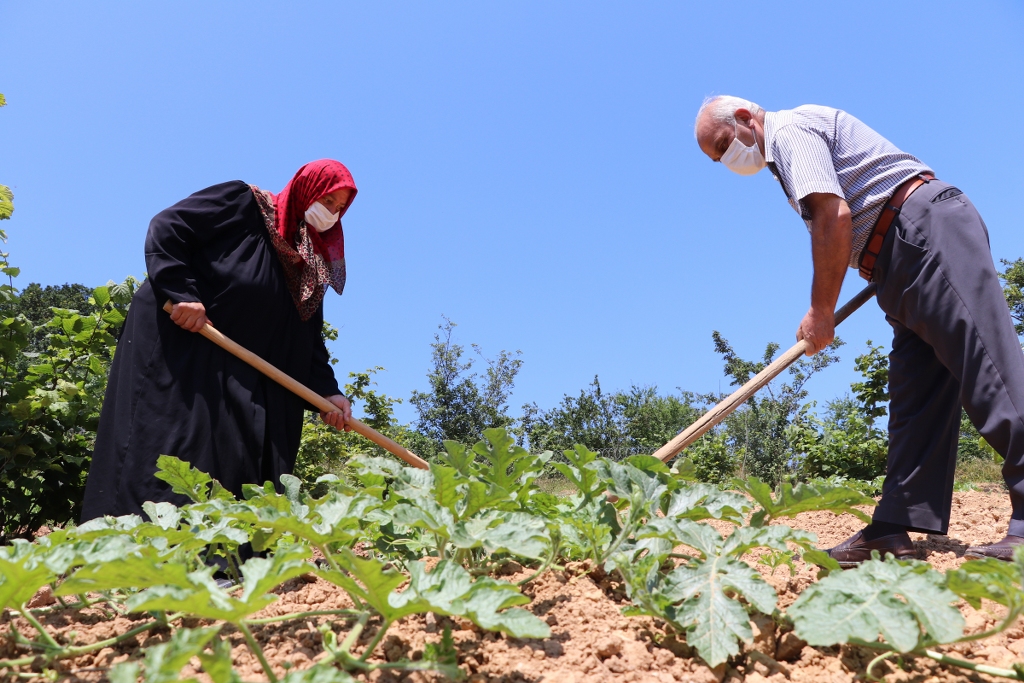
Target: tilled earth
[590,638]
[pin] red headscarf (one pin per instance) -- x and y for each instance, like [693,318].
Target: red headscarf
[310,183]
[311,260]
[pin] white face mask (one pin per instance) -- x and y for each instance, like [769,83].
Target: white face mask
[742,159]
[320,218]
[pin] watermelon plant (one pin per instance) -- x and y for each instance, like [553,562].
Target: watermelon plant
[401,541]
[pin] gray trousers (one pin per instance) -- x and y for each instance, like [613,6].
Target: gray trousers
[953,344]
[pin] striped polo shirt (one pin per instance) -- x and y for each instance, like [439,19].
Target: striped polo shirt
[820,149]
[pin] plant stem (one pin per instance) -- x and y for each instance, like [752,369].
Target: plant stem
[327,556]
[980,668]
[99,645]
[303,615]
[30,618]
[257,650]
[11,663]
[877,660]
[376,640]
[544,567]
[626,532]
[353,635]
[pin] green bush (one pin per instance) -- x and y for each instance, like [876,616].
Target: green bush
[324,450]
[712,460]
[50,402]
[846,443]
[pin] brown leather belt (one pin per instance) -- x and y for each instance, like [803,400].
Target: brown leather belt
[889,212]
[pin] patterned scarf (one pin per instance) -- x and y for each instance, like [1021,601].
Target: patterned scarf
[311,260]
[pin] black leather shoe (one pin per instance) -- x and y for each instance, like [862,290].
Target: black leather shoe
[1002,550]
[855,549]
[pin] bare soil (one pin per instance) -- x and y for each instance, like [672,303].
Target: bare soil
[590,638]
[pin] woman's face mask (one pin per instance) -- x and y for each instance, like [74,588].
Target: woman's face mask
[740,158]
[320,218]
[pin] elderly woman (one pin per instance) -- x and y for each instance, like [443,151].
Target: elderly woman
[256,266]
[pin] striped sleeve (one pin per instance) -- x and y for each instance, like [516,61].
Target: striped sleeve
[805,160]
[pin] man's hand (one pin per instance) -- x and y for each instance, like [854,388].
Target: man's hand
[831,243]
[339,418]
[818,329]
[189,315]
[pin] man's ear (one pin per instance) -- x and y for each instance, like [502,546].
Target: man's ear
[743,116]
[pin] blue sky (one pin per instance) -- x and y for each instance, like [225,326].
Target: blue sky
[526,169]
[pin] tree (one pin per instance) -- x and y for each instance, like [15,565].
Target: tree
[50,401]
[1013,290]
[846,442]
[6,196]
[460,404]
[616,424]
[592,419]
[757,432]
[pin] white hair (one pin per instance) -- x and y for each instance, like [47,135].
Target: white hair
[722,108]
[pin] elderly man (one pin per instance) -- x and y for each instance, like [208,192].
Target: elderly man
[870,206]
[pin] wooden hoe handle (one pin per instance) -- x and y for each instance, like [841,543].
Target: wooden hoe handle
[723,409]
[304,392]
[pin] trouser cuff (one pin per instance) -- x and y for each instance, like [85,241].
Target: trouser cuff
[1016,527]
[919,518]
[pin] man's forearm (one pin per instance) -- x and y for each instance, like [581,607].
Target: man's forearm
[831,243]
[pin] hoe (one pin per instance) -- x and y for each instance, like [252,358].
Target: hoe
[302,391]
[722,410]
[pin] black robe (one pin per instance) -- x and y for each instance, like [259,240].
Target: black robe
[174,392]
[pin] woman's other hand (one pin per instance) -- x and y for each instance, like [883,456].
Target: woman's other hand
[189,315]
[339,418]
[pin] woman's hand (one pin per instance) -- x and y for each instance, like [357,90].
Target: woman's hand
[339,418]
[189,315]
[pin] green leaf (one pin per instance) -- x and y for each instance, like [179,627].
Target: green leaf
[801,498]
[459,457]
[584,478]
[683,469]
[113,317]
[22,573]
[6,202]
[188,481]
[704,501]
[426,514]
[449,590]
[629,483]
[714,622]
[201,596]
[143,567]
[906,602]
[125,672]
[96,366]
[518,533]
[508,463]
[264,574]
[647,463]
[375,582]
[445,486]
[475,499]
[989,579]
[101,295]
[218,664]
[165,661]
[589,528]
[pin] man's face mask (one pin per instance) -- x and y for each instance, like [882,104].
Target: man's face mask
[740,158]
